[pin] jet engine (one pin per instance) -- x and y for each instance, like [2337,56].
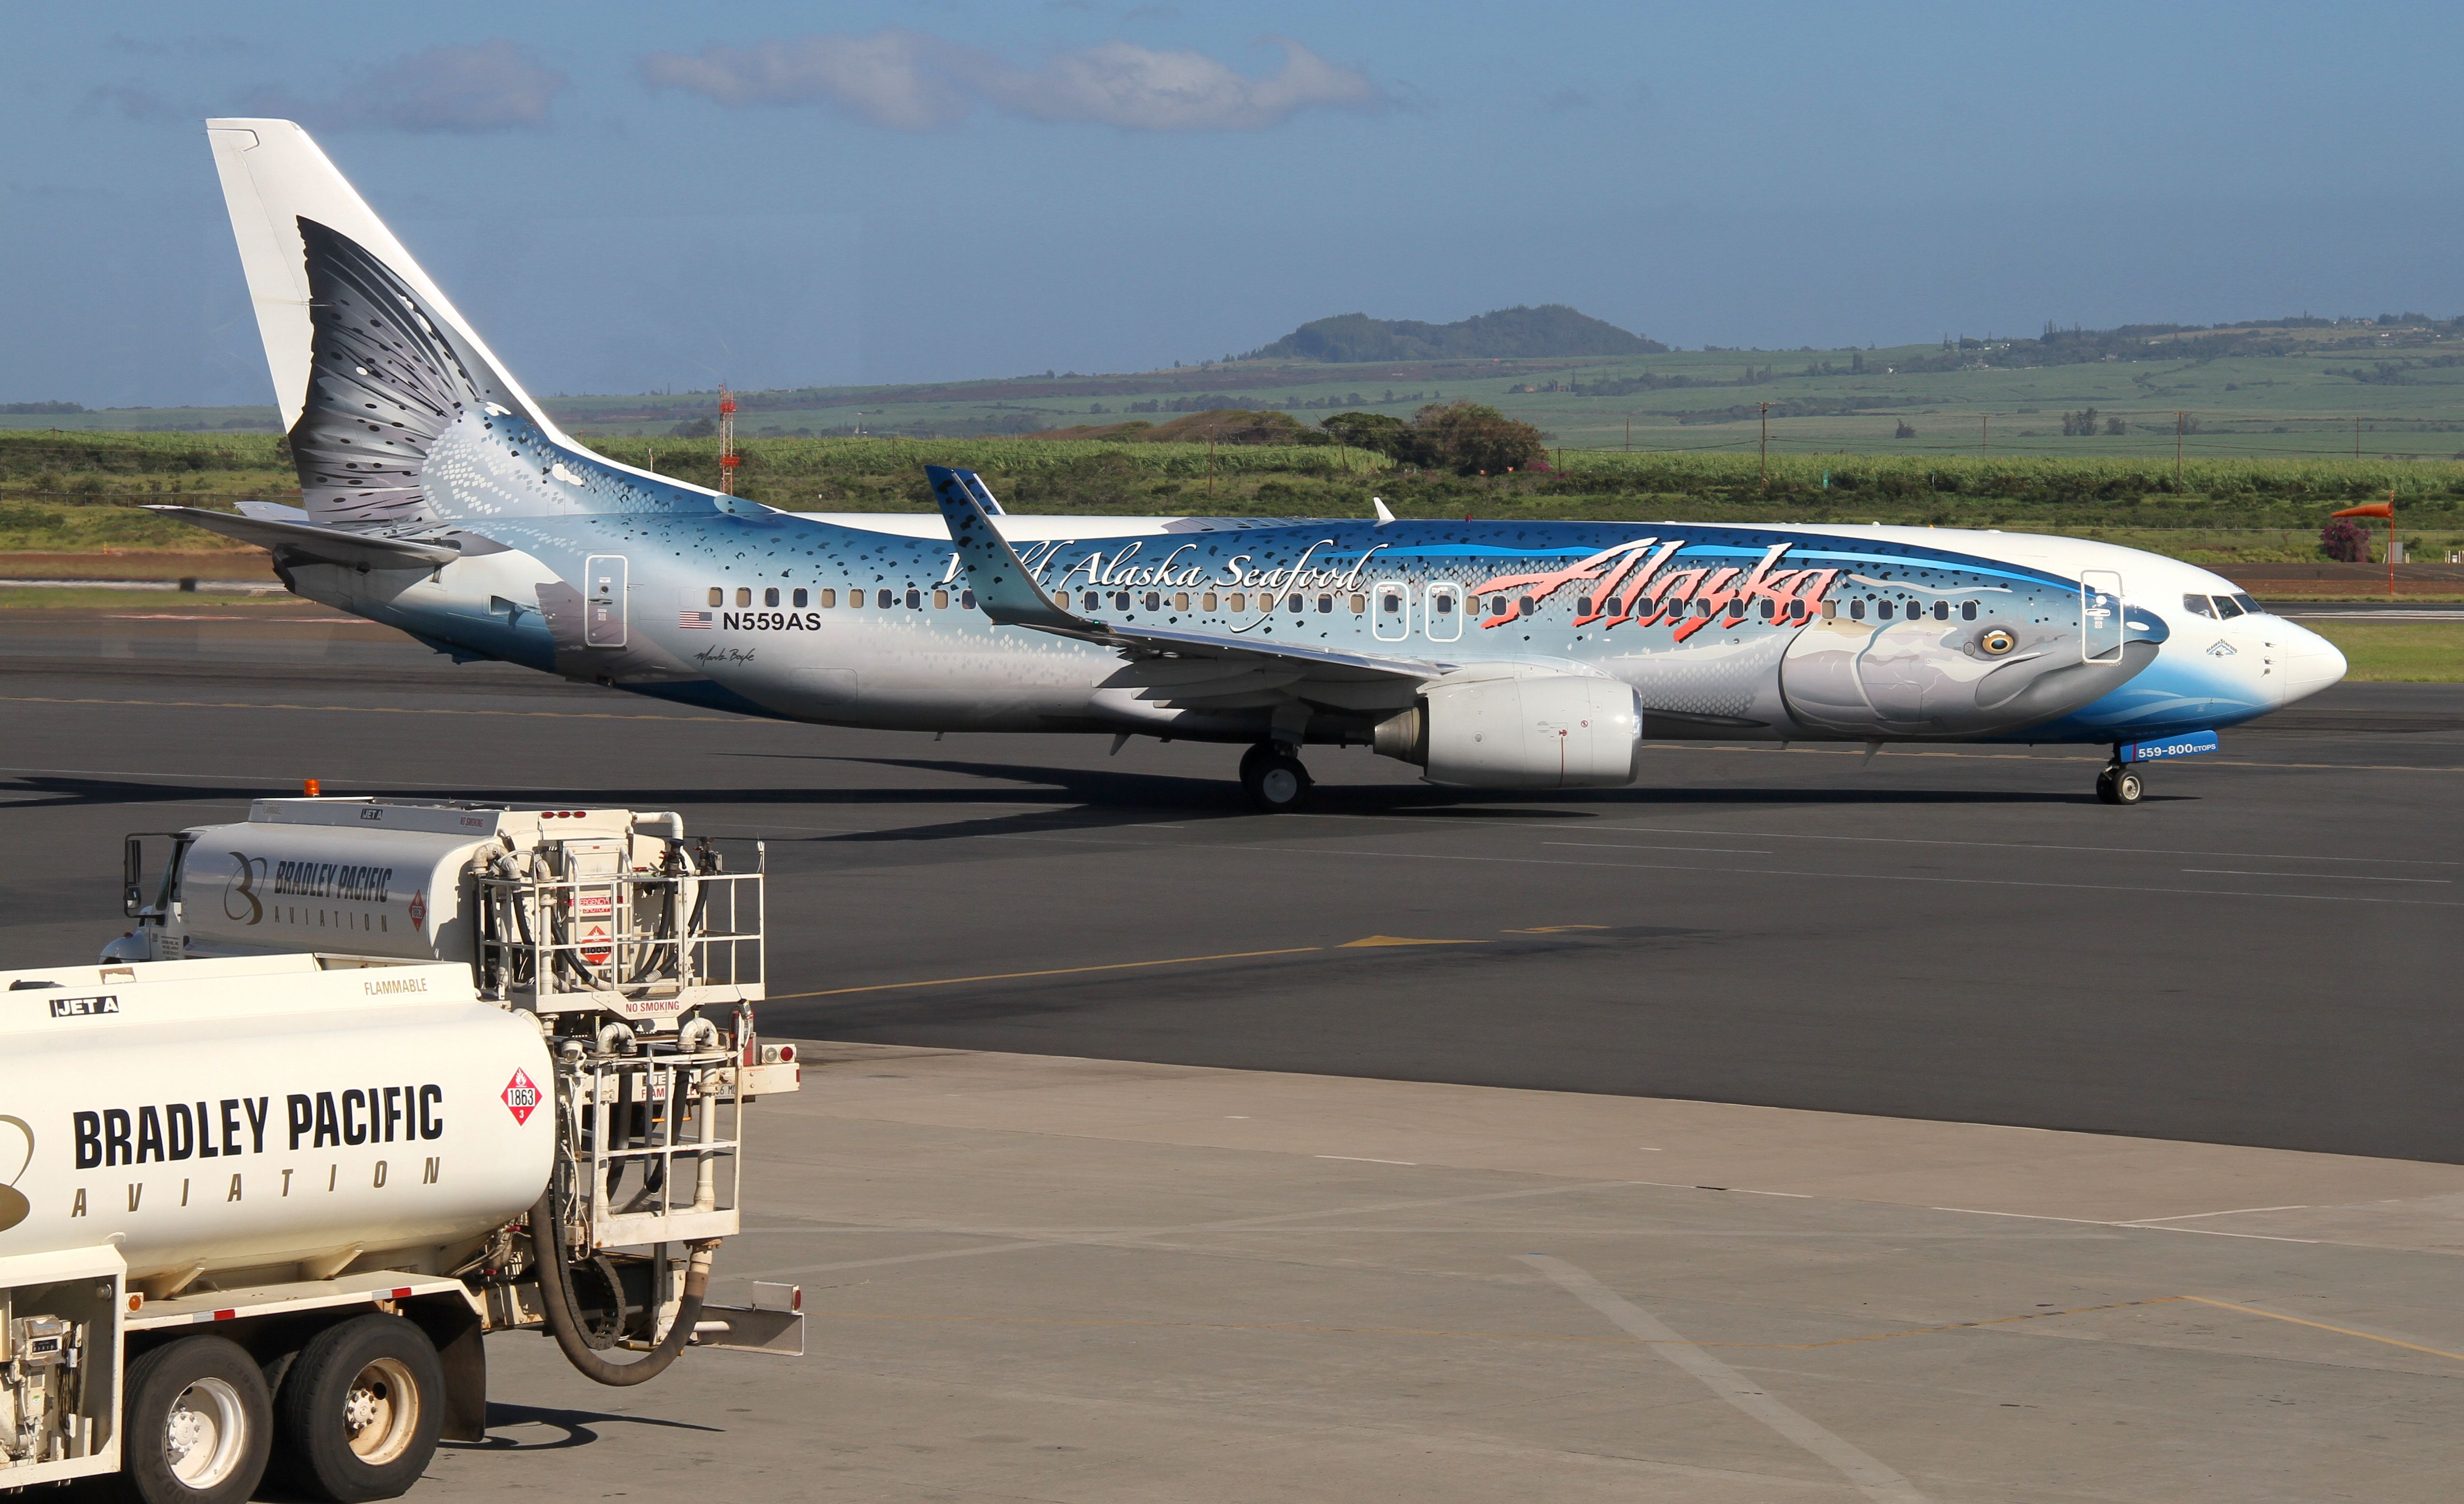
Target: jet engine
[1557,731]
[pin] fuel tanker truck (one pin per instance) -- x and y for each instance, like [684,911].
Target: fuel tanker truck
[367,1081]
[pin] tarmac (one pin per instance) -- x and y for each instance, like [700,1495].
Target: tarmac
[1783,1127]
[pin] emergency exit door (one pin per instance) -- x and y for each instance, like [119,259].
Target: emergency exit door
[603,611]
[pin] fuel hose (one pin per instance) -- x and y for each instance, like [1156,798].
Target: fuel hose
[565,1323]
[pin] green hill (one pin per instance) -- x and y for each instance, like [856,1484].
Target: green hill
[1518,333]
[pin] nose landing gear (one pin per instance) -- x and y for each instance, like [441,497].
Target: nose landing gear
[1275,779]
[2119,785]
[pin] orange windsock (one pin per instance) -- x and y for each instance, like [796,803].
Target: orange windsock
[2384,509]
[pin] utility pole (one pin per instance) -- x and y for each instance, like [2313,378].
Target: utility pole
[1984,430]
[2357,436]
[1629,433]
[2181,426]
[727,456]
[1210,463]
[1766,446]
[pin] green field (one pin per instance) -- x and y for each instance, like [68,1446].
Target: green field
[83,492]
[2392,392]
[2412,652]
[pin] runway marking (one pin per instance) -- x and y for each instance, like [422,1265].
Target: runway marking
[2237,1211]
[1870,1476]
[2137,1226]
[1362,1159]
[1552,929]
[2343,1331]
[1314,1330]
[1229,1224]
[1377,942]
[1625,845]
[2025,846]
[2240,872]
[380,710]
[1055,971]
[1458,823]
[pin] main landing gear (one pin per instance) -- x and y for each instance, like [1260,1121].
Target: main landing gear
[1275,779]
[2119,785]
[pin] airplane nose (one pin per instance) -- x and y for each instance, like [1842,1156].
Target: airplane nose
[2310,663]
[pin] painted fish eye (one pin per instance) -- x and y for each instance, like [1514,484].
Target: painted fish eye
[1996,641]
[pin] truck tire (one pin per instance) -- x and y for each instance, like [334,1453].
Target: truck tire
[198,1424]
[360,1410]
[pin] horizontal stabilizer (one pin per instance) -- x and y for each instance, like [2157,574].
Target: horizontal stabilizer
[301,542]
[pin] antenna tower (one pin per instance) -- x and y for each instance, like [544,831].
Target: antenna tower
[728,459]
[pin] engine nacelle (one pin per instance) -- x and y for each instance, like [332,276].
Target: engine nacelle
[1560,731]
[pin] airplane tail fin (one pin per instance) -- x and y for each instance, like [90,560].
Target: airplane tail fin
[398,414]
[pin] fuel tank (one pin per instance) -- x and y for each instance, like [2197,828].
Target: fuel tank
[265,1113]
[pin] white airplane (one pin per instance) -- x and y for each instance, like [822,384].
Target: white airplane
[441,499]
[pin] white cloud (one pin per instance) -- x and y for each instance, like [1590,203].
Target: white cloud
[890,78]
[912,81]
[493,86]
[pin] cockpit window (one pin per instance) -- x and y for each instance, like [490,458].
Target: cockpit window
[2248,605]
[2228,606]
[2197,605]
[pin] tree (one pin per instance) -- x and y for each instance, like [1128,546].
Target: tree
[1906,430]
[1369,430]
[1468,437]
[2345,542]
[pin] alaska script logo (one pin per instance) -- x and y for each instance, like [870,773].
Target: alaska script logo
[14,1133]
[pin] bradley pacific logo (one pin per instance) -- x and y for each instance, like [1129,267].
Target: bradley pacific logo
[17,1152]
[250,883]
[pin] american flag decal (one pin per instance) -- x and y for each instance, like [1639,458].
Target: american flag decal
[694,621]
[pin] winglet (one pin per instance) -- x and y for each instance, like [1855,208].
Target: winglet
[1384,516]
[1003,583]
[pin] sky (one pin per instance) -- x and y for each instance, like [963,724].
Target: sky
[629,198]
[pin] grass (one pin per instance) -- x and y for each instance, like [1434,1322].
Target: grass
[2411,653]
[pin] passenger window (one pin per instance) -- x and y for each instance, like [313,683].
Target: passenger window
[2197,605]
[1360,605]
[1391,604]
[1121,600]
[1326,605]
[1208,602]
[1770,608]
[855,599]
[770,596]
[967,599]
[1796,611]
[829,598]
[2228,607]
[1882,610]
[1582,606]
[1967,610]
[1087,600]
[1293,604]
[743,596]
[914,600]
[1830,611]
[1239,603]
[1857,610]
[940,600]
[1154,601]
[1444,603]
[1180,602]
[1737,609]
[884,599]
[1942,610]
[801,597]
[717,596]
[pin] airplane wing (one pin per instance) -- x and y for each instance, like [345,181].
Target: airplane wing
[323,544]
[1170,665]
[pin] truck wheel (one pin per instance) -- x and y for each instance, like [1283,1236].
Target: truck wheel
[198,1424]
[361,1409]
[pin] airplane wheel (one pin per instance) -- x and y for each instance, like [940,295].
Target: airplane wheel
[1276,781]
[2120,786]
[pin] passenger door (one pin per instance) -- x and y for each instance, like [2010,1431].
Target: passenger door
[603,613]
[2100,616]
